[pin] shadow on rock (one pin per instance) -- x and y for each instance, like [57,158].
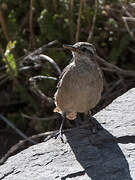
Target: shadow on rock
[99,155]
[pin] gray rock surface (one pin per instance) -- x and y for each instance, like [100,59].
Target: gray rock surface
[107,155]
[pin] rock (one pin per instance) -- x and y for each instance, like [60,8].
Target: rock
[107,155]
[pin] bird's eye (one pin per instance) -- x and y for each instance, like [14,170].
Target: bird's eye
[89,50]
[84,49]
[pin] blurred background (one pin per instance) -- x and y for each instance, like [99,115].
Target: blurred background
[28,25]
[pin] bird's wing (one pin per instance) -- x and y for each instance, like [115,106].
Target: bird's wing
[65,70]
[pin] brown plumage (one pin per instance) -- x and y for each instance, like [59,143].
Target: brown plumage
[81,83]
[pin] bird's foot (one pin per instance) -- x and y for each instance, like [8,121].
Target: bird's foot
[59,134]
[55,135]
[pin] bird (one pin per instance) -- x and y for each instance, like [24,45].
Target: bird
[80,84]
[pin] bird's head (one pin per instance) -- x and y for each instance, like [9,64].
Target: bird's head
[81,49]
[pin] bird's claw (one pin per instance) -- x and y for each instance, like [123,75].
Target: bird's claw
[55,135]
[59,134]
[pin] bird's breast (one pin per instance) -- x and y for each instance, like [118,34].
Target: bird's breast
[80,88]
[81,80]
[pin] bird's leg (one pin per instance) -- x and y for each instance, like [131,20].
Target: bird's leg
[62,123]
[59,133]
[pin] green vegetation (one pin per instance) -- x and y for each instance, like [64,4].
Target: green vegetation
[28,25]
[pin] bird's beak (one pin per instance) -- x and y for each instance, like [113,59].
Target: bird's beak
[70,47]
